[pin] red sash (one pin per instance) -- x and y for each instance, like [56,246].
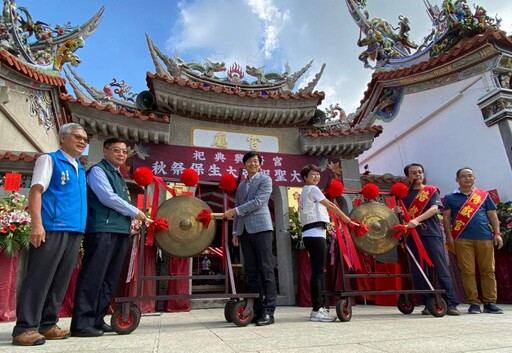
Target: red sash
[416,208]
[421,200]
[467,211]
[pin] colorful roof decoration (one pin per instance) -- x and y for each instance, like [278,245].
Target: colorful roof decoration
[452,22]
[251,79]
[31,71]
[39,44]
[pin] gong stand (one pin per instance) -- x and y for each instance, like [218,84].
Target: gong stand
[380,239]
[187,236]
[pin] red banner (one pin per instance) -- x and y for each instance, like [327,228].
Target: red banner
[12,182]
[169,161]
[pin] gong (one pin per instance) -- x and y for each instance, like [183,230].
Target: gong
[187,236]
[380,220]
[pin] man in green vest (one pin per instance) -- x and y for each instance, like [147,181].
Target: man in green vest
[105,242]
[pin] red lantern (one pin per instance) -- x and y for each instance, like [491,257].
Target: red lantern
[143,176]
[227,182]
[335,188]
[400,190]
[370,191]
[189,177]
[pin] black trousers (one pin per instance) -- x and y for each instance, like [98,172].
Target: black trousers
[259,270]
[104,255]
[49,270]
[317,250]
[434,246]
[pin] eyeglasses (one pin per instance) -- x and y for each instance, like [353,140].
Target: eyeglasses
[117,150]
[80,138]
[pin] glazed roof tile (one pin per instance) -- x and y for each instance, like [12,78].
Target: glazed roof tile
[116,111]
[343,132]
[19,156]
[30,71]
[489,36]
[386,178]
[227,90]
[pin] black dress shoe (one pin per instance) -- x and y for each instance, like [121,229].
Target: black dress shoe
[105,328]
[87,332]
[265,320]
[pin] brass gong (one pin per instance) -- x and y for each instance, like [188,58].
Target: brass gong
[380,219]
[187,236]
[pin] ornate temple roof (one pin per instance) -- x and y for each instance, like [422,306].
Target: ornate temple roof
[346,143]
[468,53]
[31,71]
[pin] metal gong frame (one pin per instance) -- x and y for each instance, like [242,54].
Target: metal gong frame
[239,308]
[380,223]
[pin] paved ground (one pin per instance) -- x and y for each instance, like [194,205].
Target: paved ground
[373,329]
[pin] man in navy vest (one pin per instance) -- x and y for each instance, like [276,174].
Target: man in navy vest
[106,240]
[58,209]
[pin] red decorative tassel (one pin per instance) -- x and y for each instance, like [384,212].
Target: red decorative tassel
[399,190]
[160,224]
[358,228]
[205,217]
[335,188]
[399,229]
[228,182]
[189,177]
[143,176]
[370,191]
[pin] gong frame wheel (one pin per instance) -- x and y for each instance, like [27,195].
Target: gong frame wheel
[405,304]
[436,306]
[237,314]
[124,327]
[344,309]
[228,309]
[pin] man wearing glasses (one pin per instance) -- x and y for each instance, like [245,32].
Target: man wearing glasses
[471,224]
[58,209]
[105,242]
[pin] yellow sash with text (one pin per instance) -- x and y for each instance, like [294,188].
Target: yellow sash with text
[467,211]
[421,200]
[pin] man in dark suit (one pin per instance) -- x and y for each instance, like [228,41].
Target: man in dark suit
[106,240]
[252,228]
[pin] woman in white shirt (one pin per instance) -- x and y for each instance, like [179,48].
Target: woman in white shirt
[314,217]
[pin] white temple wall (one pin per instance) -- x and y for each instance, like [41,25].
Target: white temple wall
[19,130]
[443,129]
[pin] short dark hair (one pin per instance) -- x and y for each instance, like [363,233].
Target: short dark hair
[305,171]
[251,154]
[406,169]
[461,169]
[113,140]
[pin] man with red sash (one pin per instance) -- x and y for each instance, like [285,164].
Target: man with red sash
[423,202]
[470,221]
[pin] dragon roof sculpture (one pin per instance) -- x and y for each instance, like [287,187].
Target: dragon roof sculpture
[390,49]
[208,71]
[39,44]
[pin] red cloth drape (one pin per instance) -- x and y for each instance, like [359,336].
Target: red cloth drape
[148,287]
[66,308]
[503,264]
[8,269]
[178,267]
[304,269]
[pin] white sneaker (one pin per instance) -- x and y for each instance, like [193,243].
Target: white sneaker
[322,315]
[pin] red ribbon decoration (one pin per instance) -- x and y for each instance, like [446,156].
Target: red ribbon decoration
[205,217]
[154,206]
[358,228]
[399,229]
[416,237]
[347,247]
[160,224]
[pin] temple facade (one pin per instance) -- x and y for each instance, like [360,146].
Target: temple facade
[203,116]
[445,103]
